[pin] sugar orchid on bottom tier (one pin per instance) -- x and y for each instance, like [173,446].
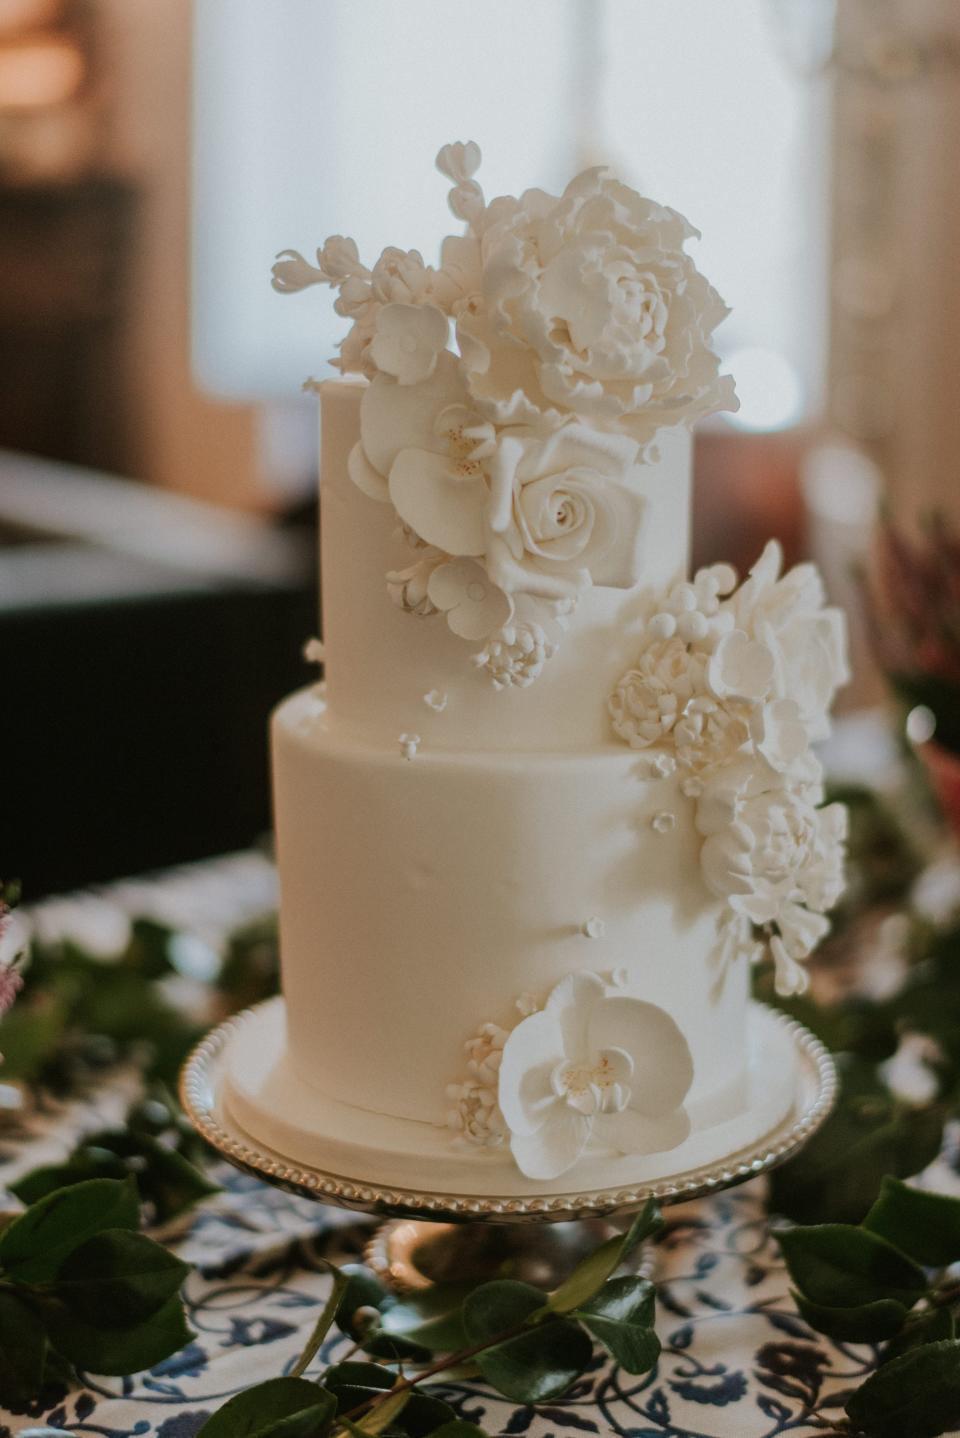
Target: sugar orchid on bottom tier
[730,688]
[592,1067]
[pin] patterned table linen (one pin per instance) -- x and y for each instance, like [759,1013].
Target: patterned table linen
[737,1361]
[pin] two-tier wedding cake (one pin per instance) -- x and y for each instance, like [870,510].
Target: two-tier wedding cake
[554,797]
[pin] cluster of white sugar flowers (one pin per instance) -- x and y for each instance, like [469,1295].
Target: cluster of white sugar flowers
[667,681]
[474,1114]
[732,686]
[516,392]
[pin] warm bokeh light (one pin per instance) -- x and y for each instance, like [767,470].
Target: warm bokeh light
[19,15]
[769,388]
[40,73]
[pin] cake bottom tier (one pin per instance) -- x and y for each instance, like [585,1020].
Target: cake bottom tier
[423,897]
[263,1097]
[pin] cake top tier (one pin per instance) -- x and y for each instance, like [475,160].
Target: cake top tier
[516,395]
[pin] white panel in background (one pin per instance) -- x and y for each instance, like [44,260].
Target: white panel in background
[315,117]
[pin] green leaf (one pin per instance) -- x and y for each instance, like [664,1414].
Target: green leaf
[119,1352]
[838,1174]
[354,1384]
[33,1247]
[926,1226]
[31,1032]
[916,1395]
[166,1180]
[386,1411]
[118,1278]
[149,949]
[278,1408]
[841,1267]
[932,1326]
[433,1318]
[381,1346]
[865,1323]
[592,1272]
[323,1324]
[23,1351]
[357,1376]
[458,1429]
[82,1166]
[538,1363]
[620,1316]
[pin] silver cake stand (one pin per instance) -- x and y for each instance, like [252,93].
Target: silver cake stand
[434,1237]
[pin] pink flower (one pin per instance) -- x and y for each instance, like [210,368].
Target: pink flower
[12,935]
[11,982]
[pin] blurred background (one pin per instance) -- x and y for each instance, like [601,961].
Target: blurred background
[157,457]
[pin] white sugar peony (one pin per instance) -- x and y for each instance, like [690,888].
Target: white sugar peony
[776,857]
[733,686]
[649,699]
[805,639]
[592,1067]
[590,305]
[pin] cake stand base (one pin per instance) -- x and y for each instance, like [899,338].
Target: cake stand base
[249,1050]
[411,1254]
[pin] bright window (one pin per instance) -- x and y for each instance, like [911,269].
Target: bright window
[322,118]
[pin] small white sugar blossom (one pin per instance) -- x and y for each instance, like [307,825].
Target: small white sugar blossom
[516,654]
[407,341]
[409,745]
[474,1113]
[733,686]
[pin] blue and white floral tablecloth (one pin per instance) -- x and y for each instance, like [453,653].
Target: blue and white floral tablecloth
[737,1361]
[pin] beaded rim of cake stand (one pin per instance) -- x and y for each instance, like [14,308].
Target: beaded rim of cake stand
[198,1091]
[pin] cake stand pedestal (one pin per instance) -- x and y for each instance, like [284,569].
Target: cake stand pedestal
[444,1236]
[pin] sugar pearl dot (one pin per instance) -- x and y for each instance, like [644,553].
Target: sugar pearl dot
[594,928]
[726,577]
[662,626]
[314,652]
[692,626]
[664,821]
[683,597]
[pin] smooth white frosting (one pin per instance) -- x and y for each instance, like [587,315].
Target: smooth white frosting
[420,896]
[268,1100]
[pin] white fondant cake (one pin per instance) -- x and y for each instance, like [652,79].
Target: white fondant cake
[552,798]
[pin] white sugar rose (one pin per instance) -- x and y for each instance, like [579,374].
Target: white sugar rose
[546,514]
[565,512]
[592,1065]
[591,305]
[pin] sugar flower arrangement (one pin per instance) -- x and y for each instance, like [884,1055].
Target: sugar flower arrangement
[515,393]
[729,689]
